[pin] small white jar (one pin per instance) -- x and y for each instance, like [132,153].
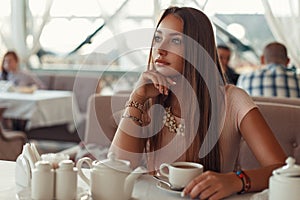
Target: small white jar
[42,183]
[285,182]
[66,181]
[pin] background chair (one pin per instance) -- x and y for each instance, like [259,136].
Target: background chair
[281,100]
[11,142]
[103,116]
[104,113]
[283,117]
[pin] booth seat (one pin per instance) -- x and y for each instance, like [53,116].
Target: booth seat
[283,117]
[83,86]
[103,115]
[280,100]
[11,142]
[281,114]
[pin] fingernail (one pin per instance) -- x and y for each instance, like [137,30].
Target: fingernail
[174,83]
[182,194]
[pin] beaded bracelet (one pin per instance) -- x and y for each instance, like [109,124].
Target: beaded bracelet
[135,104]
[245,180]
[133,118]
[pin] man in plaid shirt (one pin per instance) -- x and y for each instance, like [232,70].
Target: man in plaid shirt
[275,79]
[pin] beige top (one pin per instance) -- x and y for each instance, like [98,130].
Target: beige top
[239,103]
[174,146]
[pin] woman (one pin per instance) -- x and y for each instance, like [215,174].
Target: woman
[187,81]
[11,72]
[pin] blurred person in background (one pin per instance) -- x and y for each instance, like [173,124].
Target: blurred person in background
[274,79]
[12,72]
[224,56]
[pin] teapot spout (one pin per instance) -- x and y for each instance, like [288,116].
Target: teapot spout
[130,180]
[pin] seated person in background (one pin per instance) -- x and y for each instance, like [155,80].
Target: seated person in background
[175,112]
[11,72]
[224,56]
[275,79]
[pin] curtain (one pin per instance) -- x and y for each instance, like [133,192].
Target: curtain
[283,18]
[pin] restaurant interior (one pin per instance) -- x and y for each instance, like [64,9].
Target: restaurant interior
[89,54]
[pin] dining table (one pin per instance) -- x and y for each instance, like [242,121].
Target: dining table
[145,188]
[41,108]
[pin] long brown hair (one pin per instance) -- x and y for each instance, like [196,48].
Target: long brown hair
[4,71]
[196,26]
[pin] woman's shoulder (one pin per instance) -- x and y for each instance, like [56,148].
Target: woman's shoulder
[233,91]
[238,97]
[239,103]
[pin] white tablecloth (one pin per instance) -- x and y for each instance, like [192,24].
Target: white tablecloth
[41,108]
[144,188]
[7,180]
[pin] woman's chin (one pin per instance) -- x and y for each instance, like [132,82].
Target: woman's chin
[167,72]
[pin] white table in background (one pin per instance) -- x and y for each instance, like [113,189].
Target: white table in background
[144,188]
[41,108]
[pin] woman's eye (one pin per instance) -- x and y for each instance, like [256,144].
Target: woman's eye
[157,38]
[176,41]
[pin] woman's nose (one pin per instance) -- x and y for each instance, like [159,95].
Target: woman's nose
[162,51]
[162,48]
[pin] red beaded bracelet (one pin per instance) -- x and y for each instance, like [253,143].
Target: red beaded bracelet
[245,180]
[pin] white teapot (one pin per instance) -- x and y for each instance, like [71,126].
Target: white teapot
[285,182]
[111,179]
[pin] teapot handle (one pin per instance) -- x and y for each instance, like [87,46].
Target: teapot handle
[80,173]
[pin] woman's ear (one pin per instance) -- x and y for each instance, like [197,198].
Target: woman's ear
[262,60]
[287,61]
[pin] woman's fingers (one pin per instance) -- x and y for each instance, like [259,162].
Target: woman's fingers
[163,87]
[210,185]
[160,82]
[171,81]
[149,75]
[193,183]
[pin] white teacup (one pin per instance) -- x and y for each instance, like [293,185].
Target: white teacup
[181,173]
[55,158]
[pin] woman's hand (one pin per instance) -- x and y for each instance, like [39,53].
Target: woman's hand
[211,185]
[151,84]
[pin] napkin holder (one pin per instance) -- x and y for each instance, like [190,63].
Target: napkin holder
[22,173]
[25,163]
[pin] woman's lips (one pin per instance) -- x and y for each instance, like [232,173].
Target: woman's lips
[161,62]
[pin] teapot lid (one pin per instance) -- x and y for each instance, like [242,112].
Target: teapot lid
[113,163]
[290,169]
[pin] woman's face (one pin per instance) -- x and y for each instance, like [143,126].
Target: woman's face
[10,64]
[168,47]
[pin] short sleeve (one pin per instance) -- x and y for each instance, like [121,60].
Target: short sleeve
[239,102]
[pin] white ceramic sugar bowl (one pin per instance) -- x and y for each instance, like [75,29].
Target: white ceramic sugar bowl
[285,182]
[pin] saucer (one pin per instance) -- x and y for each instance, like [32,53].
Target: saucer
[166,188]
[25,194]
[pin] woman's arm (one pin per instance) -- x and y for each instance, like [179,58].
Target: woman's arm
[128,142]
[266,149]
[264,146]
